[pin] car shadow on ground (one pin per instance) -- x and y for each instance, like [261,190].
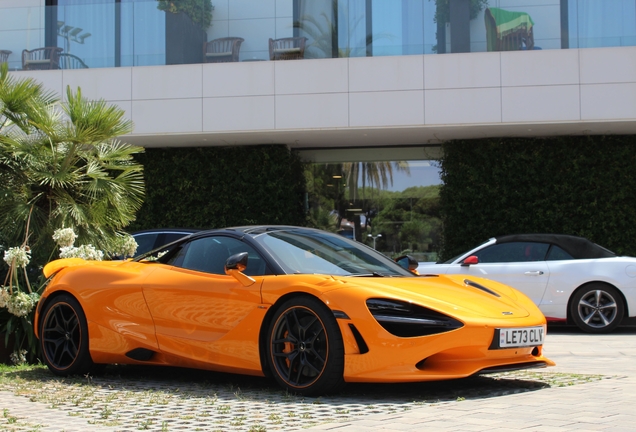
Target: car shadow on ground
[126,378]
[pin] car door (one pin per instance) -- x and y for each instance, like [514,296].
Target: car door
[521,265]
[194,304]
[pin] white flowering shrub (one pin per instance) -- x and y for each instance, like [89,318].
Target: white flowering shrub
[64,237]
[126,246]
[21,304]
[20,299]
[5,295]
[17,256]
[87,252]
[156,257]
[16,301]
[18,357]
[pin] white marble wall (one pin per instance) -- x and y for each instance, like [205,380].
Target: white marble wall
[493,90]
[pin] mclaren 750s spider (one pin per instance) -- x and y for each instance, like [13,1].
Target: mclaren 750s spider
[309,308]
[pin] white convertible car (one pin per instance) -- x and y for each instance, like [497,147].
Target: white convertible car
[570,278]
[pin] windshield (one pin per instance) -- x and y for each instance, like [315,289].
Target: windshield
[318,252]
[455,258]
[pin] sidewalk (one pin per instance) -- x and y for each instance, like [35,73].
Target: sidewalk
[604,405]
[592,388]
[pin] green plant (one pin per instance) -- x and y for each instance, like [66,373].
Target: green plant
[568,185]
[62,166]
[199,11]
[18,296]
[442,10]
[210,187]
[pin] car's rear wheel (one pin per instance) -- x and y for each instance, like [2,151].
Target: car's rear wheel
[597,308]
[64,337]
[304,347]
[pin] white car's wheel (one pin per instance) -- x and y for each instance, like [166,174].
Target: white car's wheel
[597,308]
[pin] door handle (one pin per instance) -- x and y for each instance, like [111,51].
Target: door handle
[534,273]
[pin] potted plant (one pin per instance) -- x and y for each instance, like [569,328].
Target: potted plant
[199,11]
[442,11]
[187,22]
[442,16]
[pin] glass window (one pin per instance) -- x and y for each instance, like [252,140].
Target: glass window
[145,242]
[111,33]
[513,252]
[305,251]
[170,237]
[209,255]
[385,198]
[601,23]
[87,30]
[557,254]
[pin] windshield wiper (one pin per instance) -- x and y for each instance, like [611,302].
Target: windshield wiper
[372,274]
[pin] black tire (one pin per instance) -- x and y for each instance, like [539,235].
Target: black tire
[597,308]
[305,351]
[64,337]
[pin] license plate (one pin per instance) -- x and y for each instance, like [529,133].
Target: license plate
[521,337]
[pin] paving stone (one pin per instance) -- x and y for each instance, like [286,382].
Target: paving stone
[593,387]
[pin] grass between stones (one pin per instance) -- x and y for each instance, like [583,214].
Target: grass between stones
[167,399]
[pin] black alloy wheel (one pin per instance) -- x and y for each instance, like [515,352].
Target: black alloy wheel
[597,308]
[64,337]
[305,348]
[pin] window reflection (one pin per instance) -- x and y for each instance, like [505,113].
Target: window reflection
[392,204]
[599,23]
[111,33]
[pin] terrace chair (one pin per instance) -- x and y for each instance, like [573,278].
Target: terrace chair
[222,50]
[41,58]
[508,31]
[292,48]
[4,56]
[70,61]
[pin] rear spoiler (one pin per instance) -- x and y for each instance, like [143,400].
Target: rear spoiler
[57,265]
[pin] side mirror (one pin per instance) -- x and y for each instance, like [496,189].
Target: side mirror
[234,267]
[236,262]
[470,261]
[408,262]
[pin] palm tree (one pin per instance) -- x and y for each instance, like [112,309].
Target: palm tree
[345,185]
[62,164]
[376,175]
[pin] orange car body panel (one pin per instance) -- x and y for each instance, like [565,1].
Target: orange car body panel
[207,321]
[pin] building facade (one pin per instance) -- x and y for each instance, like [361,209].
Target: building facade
[363,80]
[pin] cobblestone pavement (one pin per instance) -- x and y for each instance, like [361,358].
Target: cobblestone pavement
[593,387]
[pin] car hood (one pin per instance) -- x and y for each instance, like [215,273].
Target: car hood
[452,294]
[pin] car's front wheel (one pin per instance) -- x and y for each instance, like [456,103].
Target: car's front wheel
[304,347]
[64,337]
[597,308]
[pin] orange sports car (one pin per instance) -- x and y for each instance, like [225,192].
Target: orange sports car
[310,308]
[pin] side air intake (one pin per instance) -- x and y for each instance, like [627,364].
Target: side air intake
[141,354]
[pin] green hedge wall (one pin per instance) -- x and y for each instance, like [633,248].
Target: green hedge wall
[573,185]
[213,187]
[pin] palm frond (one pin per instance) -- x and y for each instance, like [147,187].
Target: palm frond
[64,163]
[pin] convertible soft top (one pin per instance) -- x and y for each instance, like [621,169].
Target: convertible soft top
[577,247]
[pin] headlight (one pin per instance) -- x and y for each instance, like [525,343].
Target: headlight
[405,319]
